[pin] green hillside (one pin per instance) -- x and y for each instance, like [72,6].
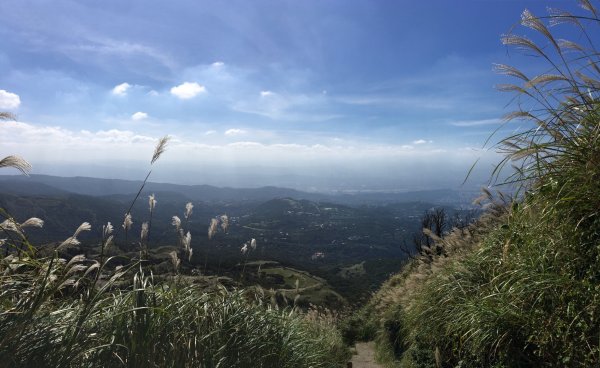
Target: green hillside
[521,286]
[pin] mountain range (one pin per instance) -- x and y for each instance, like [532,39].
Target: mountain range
[98,187]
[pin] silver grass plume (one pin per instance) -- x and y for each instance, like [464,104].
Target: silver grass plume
[33,222]
[151,202]
[144,232]
[187,240]
[188,210]
[10,225]
[83,227]
[176,221]
[160,148]
[94,266]
[76,259]
[212,228]
[187,245]
[76,268]
[107,236]
[107,230]
[224,223]
[127,222]
[175,260]
[72,240]
[16,162]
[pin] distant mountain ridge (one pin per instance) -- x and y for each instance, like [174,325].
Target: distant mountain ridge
[98,187]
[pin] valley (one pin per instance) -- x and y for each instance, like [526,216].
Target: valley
[346,249]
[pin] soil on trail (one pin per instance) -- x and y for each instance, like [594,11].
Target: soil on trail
[365,357]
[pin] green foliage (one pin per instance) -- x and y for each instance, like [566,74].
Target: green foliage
[46,323]
[525,291]
[358,325]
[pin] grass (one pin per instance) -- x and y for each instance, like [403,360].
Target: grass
[166,325]
[104,312]
[521,287]
[311,290]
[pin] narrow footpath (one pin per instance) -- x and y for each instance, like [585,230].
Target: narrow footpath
[365,357]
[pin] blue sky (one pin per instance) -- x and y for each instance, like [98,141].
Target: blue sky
[366,94]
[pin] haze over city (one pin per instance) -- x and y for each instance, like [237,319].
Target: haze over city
[335,95]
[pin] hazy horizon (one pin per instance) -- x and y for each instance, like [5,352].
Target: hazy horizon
[313,95]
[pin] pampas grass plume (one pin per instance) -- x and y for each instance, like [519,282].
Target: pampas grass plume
[160,148]
[176,221]
[127,222]
[224,223]
[151,202]
[33,222]
[212,228]
[188,210]
[16,162]
[144,232]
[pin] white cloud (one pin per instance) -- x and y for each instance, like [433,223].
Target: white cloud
[472,123]
[188,90]
[41,137]
[210,132]
[218,64]
[115,149]
[231,132]
[266,93]
[9,101]
[420,141]
[121,89]
[139,116]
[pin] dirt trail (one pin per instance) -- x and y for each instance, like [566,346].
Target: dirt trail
[365,357]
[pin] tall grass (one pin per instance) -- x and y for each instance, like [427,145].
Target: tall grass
[165,325]
[521,288]
[83,313]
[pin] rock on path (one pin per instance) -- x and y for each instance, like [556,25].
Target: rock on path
[365,357]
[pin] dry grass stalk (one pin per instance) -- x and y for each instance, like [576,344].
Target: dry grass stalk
[16,162]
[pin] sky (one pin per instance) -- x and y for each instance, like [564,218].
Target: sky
[316,95]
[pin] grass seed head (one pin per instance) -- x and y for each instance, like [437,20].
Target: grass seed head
[212,228]
[16,162]
[127,222]
[160,148]
[33,222]
[151,202]
[144,232]
[188,210]
[176,221]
